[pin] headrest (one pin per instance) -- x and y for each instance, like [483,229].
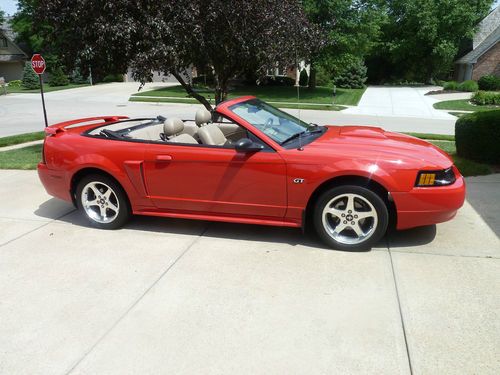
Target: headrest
[173,126]
[202,117]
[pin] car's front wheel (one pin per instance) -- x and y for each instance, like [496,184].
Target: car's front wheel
[350,217]
[102,201]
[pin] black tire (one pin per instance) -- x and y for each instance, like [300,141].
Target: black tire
[117,199]
[367,202]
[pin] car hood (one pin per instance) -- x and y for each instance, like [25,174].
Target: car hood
[366,142]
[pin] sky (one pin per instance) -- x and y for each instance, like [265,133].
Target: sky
[10,6]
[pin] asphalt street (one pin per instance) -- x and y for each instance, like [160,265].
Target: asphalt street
[21,113]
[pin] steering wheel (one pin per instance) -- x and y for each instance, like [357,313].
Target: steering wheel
[268,124]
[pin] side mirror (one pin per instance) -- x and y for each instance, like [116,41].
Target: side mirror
[247,145]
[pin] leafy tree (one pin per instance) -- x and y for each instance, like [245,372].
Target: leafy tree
[422,37]
[352,28]
[58,77]
[2,16]
[30,78]
[170,36]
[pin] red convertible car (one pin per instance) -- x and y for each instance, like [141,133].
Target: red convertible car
[248,162]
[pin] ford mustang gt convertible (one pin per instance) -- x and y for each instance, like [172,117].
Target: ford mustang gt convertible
[248,162]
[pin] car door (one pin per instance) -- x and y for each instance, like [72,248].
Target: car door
[216,180]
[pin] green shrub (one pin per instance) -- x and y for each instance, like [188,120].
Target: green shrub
[489,82]
[58,78]
[323,78]
[77,78]
[451,85]
[469,86]
[304,78]
[30,78]
[486,98]
[15,83]
[477,136]
[352,78]
[113,78]
[277,81]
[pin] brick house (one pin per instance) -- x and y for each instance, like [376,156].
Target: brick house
[12,58]
[485,55]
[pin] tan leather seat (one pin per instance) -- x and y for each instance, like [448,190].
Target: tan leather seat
[202,117]
[211,135]
[172,129]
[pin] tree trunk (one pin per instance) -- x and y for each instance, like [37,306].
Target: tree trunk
[189,89]
[312,77]
[221,91]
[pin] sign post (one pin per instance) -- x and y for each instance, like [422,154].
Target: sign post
[38,66]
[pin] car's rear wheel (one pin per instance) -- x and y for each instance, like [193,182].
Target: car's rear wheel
[350,217]
[102,201]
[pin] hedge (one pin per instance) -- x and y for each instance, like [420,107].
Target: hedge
[489,83]
[486,98]
[477,136]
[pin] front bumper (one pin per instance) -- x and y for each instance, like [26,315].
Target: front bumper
[55,182]
[429,205]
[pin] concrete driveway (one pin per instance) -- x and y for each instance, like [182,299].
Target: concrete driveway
[165,296]
[400,102]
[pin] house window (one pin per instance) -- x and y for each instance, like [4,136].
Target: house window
[3,42]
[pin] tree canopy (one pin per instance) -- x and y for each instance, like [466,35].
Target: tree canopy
[170,36]
[421,38]
[412,40]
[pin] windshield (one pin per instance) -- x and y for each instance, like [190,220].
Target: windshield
[276,124]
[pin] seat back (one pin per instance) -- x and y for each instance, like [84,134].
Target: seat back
[202,117]
[211,135]
[183,138]
[172,126]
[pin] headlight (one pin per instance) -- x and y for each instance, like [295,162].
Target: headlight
[436,178]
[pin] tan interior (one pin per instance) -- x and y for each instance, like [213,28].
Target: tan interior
[199,131]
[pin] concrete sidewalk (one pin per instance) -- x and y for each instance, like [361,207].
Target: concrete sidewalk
[190,297]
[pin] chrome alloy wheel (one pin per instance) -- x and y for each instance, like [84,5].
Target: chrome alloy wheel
[350,219]
[100,202]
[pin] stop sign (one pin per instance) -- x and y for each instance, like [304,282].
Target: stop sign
[38,63]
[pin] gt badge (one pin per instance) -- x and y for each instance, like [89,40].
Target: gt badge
[298,181]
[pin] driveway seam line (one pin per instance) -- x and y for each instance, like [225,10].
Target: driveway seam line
[403,326]
[449,255]
[35,229]
[131,307]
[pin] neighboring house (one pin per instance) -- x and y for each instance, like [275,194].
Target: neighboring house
[12,58]
[485,55]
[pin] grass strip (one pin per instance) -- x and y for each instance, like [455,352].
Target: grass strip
[21,158]
[428,136]
[323,107]
[463,105]
[319,95]
[46,88]
[21,138]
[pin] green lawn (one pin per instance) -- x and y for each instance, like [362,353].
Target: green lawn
[327,107]
[22,158]
[21,138]
[46,88]
[465,166]
[320,95]
[463,105]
